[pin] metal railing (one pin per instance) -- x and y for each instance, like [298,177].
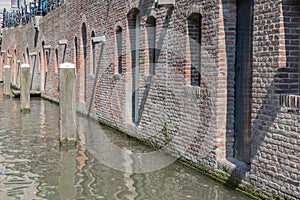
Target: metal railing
[26,14]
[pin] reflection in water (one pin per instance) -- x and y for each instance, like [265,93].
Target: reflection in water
[32,166]
[67,177]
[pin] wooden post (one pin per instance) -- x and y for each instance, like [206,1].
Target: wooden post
[67,104]
[25,87]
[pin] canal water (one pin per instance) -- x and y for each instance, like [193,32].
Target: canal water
[32,166]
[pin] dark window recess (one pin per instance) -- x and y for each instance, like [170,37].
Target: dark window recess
[195,29]
[84,43]
[243,83]
[119,48]
[151,33]
[134,30]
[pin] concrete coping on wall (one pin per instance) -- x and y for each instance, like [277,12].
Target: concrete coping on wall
[47,47]
[6,67]
[62,42]
[234,167]
[9,56]
[25,66]
[33,54]
[3,51]
[99,39]
[67,66]
[18,61]
[167,3]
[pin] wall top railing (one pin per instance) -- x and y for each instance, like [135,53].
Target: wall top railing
[26,14]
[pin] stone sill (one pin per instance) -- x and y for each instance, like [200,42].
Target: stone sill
[235,168]
[290,100]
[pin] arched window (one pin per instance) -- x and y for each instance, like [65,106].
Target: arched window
[134,31]
[194,31]
[84,51]
[40,62]
[76,55]
[47,59]
[119,49]
[15,67]
[27,57]
[93,55]
[151,37]
[8,56]
[56,64]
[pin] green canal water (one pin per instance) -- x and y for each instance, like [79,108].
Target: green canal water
[32,166]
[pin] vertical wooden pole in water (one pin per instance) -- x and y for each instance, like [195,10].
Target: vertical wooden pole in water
[7,89]
[25,87]
[67,104]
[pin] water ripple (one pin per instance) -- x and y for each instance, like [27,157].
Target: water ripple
[32,165]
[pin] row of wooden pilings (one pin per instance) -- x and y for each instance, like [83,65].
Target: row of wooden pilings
[67,98]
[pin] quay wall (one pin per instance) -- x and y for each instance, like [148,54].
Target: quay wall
[183,94]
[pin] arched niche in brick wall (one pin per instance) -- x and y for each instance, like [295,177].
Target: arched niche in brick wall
[56,63]
[83,61]
[151,44]
[92,54]
[194,8]
[119,49]
[15,66]
[192,71]
[76,54]
[133,57]
[194,46]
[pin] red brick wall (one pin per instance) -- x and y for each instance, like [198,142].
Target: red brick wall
[275,119]
[199,120]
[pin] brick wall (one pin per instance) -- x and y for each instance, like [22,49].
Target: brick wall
[196,119]
[275,124]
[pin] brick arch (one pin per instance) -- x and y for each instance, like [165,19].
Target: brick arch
[119,33]
[118,24]
[132,12]
[152,14]
[132,5]
[194,9]
[83,20]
